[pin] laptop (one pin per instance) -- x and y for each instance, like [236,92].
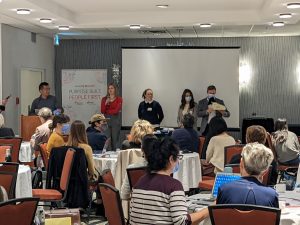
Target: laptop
[221,178]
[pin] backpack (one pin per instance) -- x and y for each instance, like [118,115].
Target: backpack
[37,179]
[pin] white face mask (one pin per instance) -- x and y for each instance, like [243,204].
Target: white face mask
[188,98]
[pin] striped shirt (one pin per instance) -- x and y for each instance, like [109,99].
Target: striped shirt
[158,199]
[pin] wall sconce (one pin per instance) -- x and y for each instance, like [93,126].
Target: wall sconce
[244,74]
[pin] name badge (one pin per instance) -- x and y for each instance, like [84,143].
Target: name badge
[149,109]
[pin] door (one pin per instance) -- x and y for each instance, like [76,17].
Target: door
[29,80]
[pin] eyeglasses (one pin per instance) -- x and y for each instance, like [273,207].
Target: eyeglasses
[180,157]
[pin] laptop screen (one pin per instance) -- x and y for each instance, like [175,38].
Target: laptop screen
[223,178]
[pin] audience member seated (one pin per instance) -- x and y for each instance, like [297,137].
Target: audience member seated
[139,129]
[187,138]
[215,148]
[147,143]
[254,133]
[255,162]
[3,194]
[78,138]
[160,196]
[42,132]
[95,132]
[58,128]
[4,131]
[286,144]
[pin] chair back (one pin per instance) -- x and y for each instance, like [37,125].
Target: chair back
[134,174]
[112,204]
[244,214]
[9,167]
[270,145]
[230,151]
[67,169]
[107,177]
[8,181]
[15,142]
[18,211]
[43,151]
[3,151]
[235,167]
[201,144]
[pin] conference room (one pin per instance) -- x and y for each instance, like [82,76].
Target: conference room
[110,108]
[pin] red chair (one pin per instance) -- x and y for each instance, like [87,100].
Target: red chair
[201,144]
[112,204]
[51,195]
[8,180]
[15,142]
[230,151]
[3,149]
[44,154]
[107,177]
[134,174]
[9,167]
[243,214]
[18,211]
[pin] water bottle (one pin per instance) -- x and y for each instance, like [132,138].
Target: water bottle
[8,155]
[228,169]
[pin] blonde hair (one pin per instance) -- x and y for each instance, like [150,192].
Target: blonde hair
[257,158]
[139,130]
[1,120]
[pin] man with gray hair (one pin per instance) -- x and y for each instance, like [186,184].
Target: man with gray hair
[255,162]
[42,132]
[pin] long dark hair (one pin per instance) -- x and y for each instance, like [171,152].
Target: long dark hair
[62,118]
[183,102]
[77,134]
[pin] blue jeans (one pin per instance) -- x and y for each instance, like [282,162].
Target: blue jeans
[293,161]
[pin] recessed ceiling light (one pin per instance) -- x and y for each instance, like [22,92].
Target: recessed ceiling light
[278,24]
[285,15]
[23,11]
[135,27]
[295,5]
[205,25]
[63,27]
[45,20]
[162,6]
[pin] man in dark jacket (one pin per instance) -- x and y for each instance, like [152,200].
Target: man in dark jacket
[95,133]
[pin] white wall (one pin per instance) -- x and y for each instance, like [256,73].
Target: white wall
[19,52]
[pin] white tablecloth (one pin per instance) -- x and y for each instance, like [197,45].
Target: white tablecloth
[107,162]
[24,186]
[25,154]
[290,215]
[189,173]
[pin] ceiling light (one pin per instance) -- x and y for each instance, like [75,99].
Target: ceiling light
[205,25]
[278,24]
[45,20]
[285,15]
[295,5]
[63,27]
[162,6]
[135,27]
[23,11]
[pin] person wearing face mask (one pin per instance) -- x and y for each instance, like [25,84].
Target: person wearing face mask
[161,197]
[188,105]
[95,132]
[150,109]
[58,128]
[206,112]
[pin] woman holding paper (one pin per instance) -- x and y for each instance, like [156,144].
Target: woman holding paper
[111,106]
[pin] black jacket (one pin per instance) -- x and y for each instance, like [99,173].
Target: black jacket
[151,112]
[77,195]
[96,139]
[6,132]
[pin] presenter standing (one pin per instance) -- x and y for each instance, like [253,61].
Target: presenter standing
[111,107]
[150,109]
[206,111]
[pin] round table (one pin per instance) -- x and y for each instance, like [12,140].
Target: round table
[23,185]
[189,173]
[106,161]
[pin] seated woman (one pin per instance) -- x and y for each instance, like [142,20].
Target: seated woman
[187,138]
[161,197]
[78,138]
[58,128]
[139,129]
[286,144]
[215,148]
[255,162]
[147,141]
[42,132]
[5,131]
